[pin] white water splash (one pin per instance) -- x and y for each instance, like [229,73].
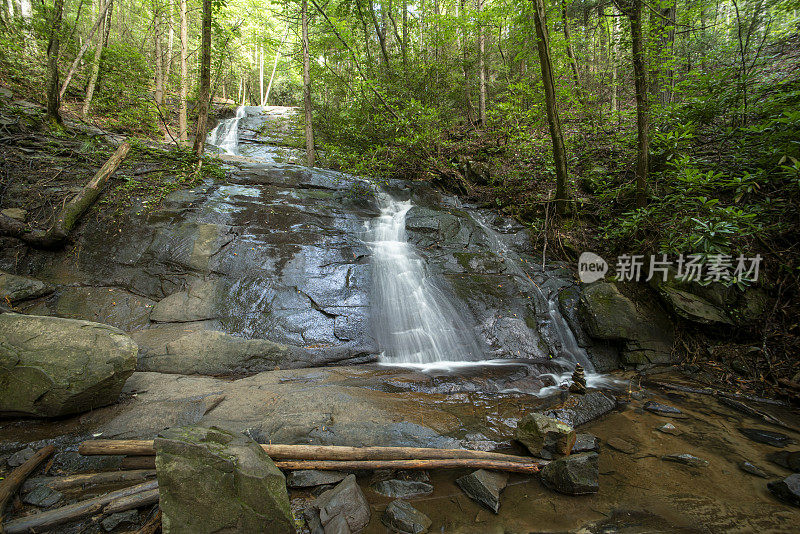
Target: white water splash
[226,134]
[414,321]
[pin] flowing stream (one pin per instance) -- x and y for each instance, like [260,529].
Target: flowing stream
[226,134]
[414,321]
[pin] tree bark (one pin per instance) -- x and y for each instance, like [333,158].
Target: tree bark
[13,481]
[159,53]
[464,65]
[553,119]
[70,213]
[460,463]
[53,46]
[573,63]
[634,14]
[275,67]
[82,51]
[481,67]
[89,479]
[102,38]
[204,95]
[310,155]
[182,120]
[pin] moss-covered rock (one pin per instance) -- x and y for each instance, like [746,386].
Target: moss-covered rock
[50,367]
[539,432]
[212,480]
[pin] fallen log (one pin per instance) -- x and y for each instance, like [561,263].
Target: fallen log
[12,482]
[138,463]
[71,512]
[716,393]
[311,452]
[71,212]
[130,502]
[152,526]
[89,479]
[452,463]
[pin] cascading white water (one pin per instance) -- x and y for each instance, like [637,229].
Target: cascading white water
[415,322]
[226,134]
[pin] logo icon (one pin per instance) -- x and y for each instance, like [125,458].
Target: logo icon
[591,267]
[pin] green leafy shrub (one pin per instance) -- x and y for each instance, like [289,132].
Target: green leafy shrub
[123,89]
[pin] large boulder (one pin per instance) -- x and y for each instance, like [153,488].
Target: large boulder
[787,489]
[539,432]
[577,474]
[340,509]
[51,367]
[643,329]
[484,487]
[578,410]
[211,480]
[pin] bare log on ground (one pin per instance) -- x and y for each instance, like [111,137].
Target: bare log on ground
[152,526]
[89,479]
[311,452]
[138,463]
[71,512]
[453,463]
[71,212]
[13,481]
[129,502]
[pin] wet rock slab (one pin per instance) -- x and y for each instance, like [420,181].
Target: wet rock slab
[403,518]
[340,509]
[402,489]
[577,474]
[768,437]
[787,459]
[787,489]
[585,442]
[578,410]
[484,487]
[664,410]
[307,478]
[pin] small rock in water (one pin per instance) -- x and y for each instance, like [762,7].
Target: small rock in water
[345,501]
[307,478]
[484,487]
[621,445]
[788,459]
[776,439]
[20,457]
[578,380]
[539,432]
[404,518]
[402,488]
[787,489]
[686,459]
[577,474]
[586,443]
[664,409]
[42,496]
[669,428]
[748,467]
[131,517]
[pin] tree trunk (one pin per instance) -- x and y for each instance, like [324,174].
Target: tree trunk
[379,33]
[642,103]
[614,61]
[204,94]
[553,120]
[310,156]
[260,76]
[53,46]
[102,38]
[352,465]
[464,65]
[481,66]
[182,126]
[275,66]
[82,51]
[573,63]
[159,53]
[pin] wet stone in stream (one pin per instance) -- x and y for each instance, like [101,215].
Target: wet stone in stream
[663,409]
[776,439]
[586,443]
[402,488]
[787,459]
[751,468]
[787,489]
[484,487]
[686,459]
[577,474]
[405,519]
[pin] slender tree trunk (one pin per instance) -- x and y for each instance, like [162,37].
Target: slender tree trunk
[53,95]
[260,76]
[614,61]
[159,53]
[275,66]
[405,33]
[553,119]
[379,33]
[170,42]
[464,65]
[310,155]
[481,66]
[573,63]
[182,121]
[204,93]
[82,51]
[642,103]
[102,38]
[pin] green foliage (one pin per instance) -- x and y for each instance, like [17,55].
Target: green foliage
[123,90]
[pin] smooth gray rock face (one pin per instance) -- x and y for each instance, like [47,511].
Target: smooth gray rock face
[16,288]
[787,489]
[20,457]
[576,474]
[686,459]
[539,432]
[129,517]
[308,478]
[484,487]
[343,505]
[212,481]
[403,518]
[197,303]
[42,496]
[578,410]
[768,437]
[586,443]
[51,367]
[400,489]
[663,409]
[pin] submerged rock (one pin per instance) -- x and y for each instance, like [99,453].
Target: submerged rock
[787,489]
[20,457]
[307,478]
[748,467]
[402,489]
[539,432]
[342,507]
[405,519]
[669,428]
[776,439]
[578,410]
[664,409]
[14,288]
[211,480]
[577,474]
[788,459]
[621,445]
[51,367]
[484,487]
[686,459]
[130,517]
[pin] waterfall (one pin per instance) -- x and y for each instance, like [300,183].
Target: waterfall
[415,322]
[226,134]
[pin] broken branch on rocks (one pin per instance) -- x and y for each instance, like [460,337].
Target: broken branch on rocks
[89,479]
[13,481]
[451,463]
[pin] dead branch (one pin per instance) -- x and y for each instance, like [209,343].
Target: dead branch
[89,479]
[13,481]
